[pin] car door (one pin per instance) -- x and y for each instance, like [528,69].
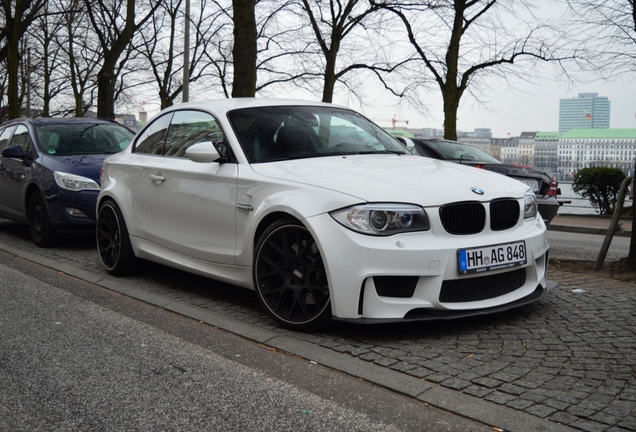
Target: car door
[194,204]
[136,170]
[14,173]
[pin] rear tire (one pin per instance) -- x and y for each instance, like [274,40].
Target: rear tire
[113,240]
[43,233]
[290,278]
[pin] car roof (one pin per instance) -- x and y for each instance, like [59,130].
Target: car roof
[37,121]
[230,104]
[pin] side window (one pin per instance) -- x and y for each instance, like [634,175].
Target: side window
[5,135]
[152,139]
[21,138]
[188,128]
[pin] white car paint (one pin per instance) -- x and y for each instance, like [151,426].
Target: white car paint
[204,218]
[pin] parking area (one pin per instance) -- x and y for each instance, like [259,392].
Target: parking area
[566,362]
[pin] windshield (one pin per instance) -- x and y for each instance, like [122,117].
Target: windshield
[83,138]
[460,152]
[276,133]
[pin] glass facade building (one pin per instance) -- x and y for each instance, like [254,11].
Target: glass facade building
[587,111]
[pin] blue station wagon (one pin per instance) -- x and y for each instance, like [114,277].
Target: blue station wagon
[49,172]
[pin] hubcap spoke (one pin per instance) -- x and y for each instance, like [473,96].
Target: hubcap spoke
[108,237]
[291,276]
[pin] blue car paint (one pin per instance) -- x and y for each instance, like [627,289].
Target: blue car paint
[37,176]
[58,198]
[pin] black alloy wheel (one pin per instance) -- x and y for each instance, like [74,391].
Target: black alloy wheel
[290,277]
[113,241]
[43,233]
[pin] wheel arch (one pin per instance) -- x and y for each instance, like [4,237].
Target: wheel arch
[266,222]
[276,221]
[30,190]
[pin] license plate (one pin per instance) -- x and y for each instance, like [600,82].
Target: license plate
[493,257]
[534,185]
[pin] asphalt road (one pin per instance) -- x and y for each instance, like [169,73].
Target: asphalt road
[74,356]
[564,362]
[570,245]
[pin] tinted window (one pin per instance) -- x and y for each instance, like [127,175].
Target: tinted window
[153,137]
[460,152]
[188,128]
[289,132]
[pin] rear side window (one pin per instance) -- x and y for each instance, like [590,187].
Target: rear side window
[153,138]
[188,128]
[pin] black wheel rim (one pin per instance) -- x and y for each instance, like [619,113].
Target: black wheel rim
[108,237]
[290,275]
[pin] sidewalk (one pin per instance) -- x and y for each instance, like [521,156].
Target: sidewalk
[590,224]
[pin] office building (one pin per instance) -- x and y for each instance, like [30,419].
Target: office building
[587,111]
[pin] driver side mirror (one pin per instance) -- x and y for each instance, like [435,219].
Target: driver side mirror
[203,152]
[14,152]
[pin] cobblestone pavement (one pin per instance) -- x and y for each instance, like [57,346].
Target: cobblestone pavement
[569,359]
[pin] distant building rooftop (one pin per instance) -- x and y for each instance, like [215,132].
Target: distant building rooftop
[599,133]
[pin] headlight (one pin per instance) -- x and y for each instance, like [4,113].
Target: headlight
[382,219]
[74,182]
[530,205]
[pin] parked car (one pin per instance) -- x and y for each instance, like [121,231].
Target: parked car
[49,172]
[322,213]
[544,185]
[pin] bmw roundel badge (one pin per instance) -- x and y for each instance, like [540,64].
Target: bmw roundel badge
[477,191]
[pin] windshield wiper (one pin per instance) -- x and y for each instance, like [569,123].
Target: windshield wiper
[366,152]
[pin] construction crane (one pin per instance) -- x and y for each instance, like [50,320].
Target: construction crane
[393,121]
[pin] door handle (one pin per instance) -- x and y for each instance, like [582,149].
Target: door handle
[157,178]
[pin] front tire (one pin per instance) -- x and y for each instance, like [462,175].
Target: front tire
[113,240]
[290,277]
[43,233]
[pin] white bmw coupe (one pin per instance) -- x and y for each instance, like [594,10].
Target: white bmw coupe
[322,213]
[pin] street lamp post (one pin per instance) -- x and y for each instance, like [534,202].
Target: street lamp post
[186,54]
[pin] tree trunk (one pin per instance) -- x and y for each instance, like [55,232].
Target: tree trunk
[106,92]
[451,97]
[13,71]
[330,74]
[244,51]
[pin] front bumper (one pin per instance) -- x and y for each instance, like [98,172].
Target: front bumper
[403,277]
[61,201]
[435,315]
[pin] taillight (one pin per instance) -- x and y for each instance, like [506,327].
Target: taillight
[553,190]
[480,166]
[101,175]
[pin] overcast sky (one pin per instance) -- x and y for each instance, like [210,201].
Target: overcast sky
[531,108]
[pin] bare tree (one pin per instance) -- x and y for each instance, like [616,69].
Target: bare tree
[18,16]
[48,61]
[162,46]
[275,63]
[334,24]
[607,31]
[115,24]
[462,43]
[83,54]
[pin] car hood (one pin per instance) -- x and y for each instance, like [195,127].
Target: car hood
[82,165]
[394,178]
[514,170]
